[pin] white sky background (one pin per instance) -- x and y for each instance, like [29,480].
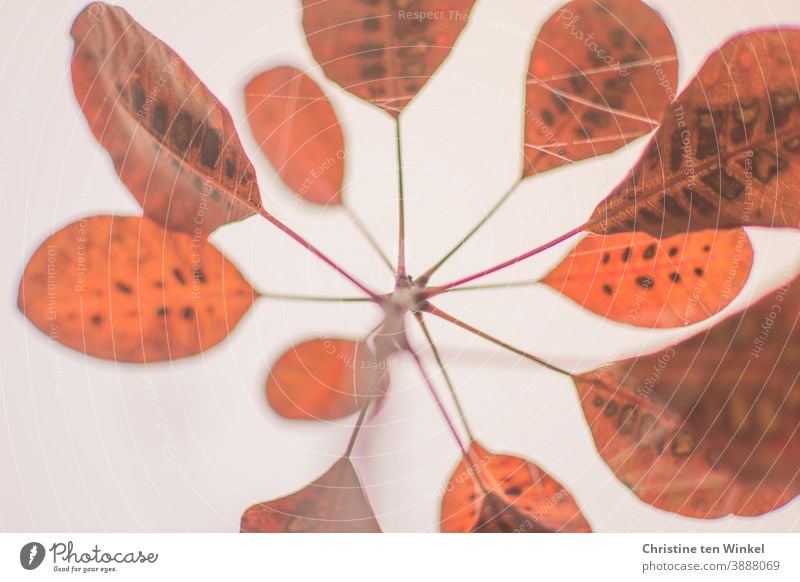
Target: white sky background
[82,440]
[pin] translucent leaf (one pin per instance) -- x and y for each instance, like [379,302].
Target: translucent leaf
[644,281]
[298,132]
[727,154]
[708,427]
[383,52]
[324,379]
[491,493]
[601,73]
[335,502]
[125,289]
[172,143]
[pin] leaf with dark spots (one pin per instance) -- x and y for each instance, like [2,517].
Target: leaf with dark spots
[727,154]
[335,502]
[164,130]
[637,279]
[104,286]
[491,493]
[299,133]
[325,379]
[601,74]
[708,427]
[383,52]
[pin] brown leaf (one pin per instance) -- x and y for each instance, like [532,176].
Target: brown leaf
[602,73]
[333,503]
[708,427]
[299,133]
[172,143]
[324,379]
[125,289]
[637,279]
[383,52]
[491,493]
[727,154]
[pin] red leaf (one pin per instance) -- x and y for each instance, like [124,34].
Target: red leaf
[708,427]
[383,52]
[637,279]
[324,379]
[727,154]
[602,73]
[299,133]
[172,143]
[490,493]
[333,503]
[125,289]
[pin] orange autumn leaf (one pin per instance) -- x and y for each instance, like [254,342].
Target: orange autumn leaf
[708,427]
[704,428]
[728,152]
[299,133]
[172,142]
[383,52]
[637,279]
[601,73]
[491,493]
[335,502]
[125,289]
[324,379]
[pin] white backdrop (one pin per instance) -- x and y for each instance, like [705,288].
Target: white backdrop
[88,445]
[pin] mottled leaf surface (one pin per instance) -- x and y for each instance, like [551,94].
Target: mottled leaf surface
[299,133]
[727,153]
[125,289]
[601,73]
[172,142]
[491,493]
[644,281]
[708,427]
[383,51]
[335,502]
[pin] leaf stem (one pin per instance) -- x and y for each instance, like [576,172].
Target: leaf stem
[447,317]
[362,415]
[446,376]
[401,244]
[488,286]
[314,298]
[297,237]
[429,273]
[433,291]
[442,409]
[362,228]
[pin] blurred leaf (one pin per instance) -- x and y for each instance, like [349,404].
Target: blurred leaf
[708,427]
[324,379]
[299,133]
[333,503]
